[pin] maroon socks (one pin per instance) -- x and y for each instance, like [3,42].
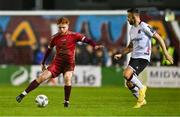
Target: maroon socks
[34,84]
[67,92]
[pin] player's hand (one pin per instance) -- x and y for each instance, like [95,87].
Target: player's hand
[169,58]
[43,67]
[117,56]
[98,47]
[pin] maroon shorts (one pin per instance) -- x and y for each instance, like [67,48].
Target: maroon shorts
[58,68]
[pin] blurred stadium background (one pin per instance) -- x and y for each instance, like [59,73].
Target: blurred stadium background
[27,25]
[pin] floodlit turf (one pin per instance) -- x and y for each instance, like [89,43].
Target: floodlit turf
[105,101]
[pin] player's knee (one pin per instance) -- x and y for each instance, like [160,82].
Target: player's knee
[126,75]
[67,80]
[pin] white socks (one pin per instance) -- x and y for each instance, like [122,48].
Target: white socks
[135,91]
[136,82]
[24,93]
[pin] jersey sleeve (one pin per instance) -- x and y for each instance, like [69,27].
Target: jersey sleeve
[148,29]
[51,42]
[79,37]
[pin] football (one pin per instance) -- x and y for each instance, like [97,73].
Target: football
[41,100]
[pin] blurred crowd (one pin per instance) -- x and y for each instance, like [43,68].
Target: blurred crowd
[85,55]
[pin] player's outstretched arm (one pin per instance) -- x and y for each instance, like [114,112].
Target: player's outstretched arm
[163,46]
[92,43]
[125,51]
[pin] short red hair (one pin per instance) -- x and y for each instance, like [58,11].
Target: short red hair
[63,20]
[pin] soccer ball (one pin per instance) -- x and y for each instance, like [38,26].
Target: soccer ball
[41,100]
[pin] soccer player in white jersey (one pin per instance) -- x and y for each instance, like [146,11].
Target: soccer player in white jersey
[140,47]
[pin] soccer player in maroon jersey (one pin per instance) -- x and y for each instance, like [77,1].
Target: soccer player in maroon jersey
[64,60]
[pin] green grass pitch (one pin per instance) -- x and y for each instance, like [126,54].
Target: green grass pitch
[104,101]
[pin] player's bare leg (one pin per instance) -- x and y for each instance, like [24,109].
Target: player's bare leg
[34,84]
[67,87]
[132,77]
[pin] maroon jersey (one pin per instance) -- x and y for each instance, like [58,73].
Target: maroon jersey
[64,60]
[65,46]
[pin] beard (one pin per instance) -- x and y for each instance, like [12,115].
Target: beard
[131,22]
